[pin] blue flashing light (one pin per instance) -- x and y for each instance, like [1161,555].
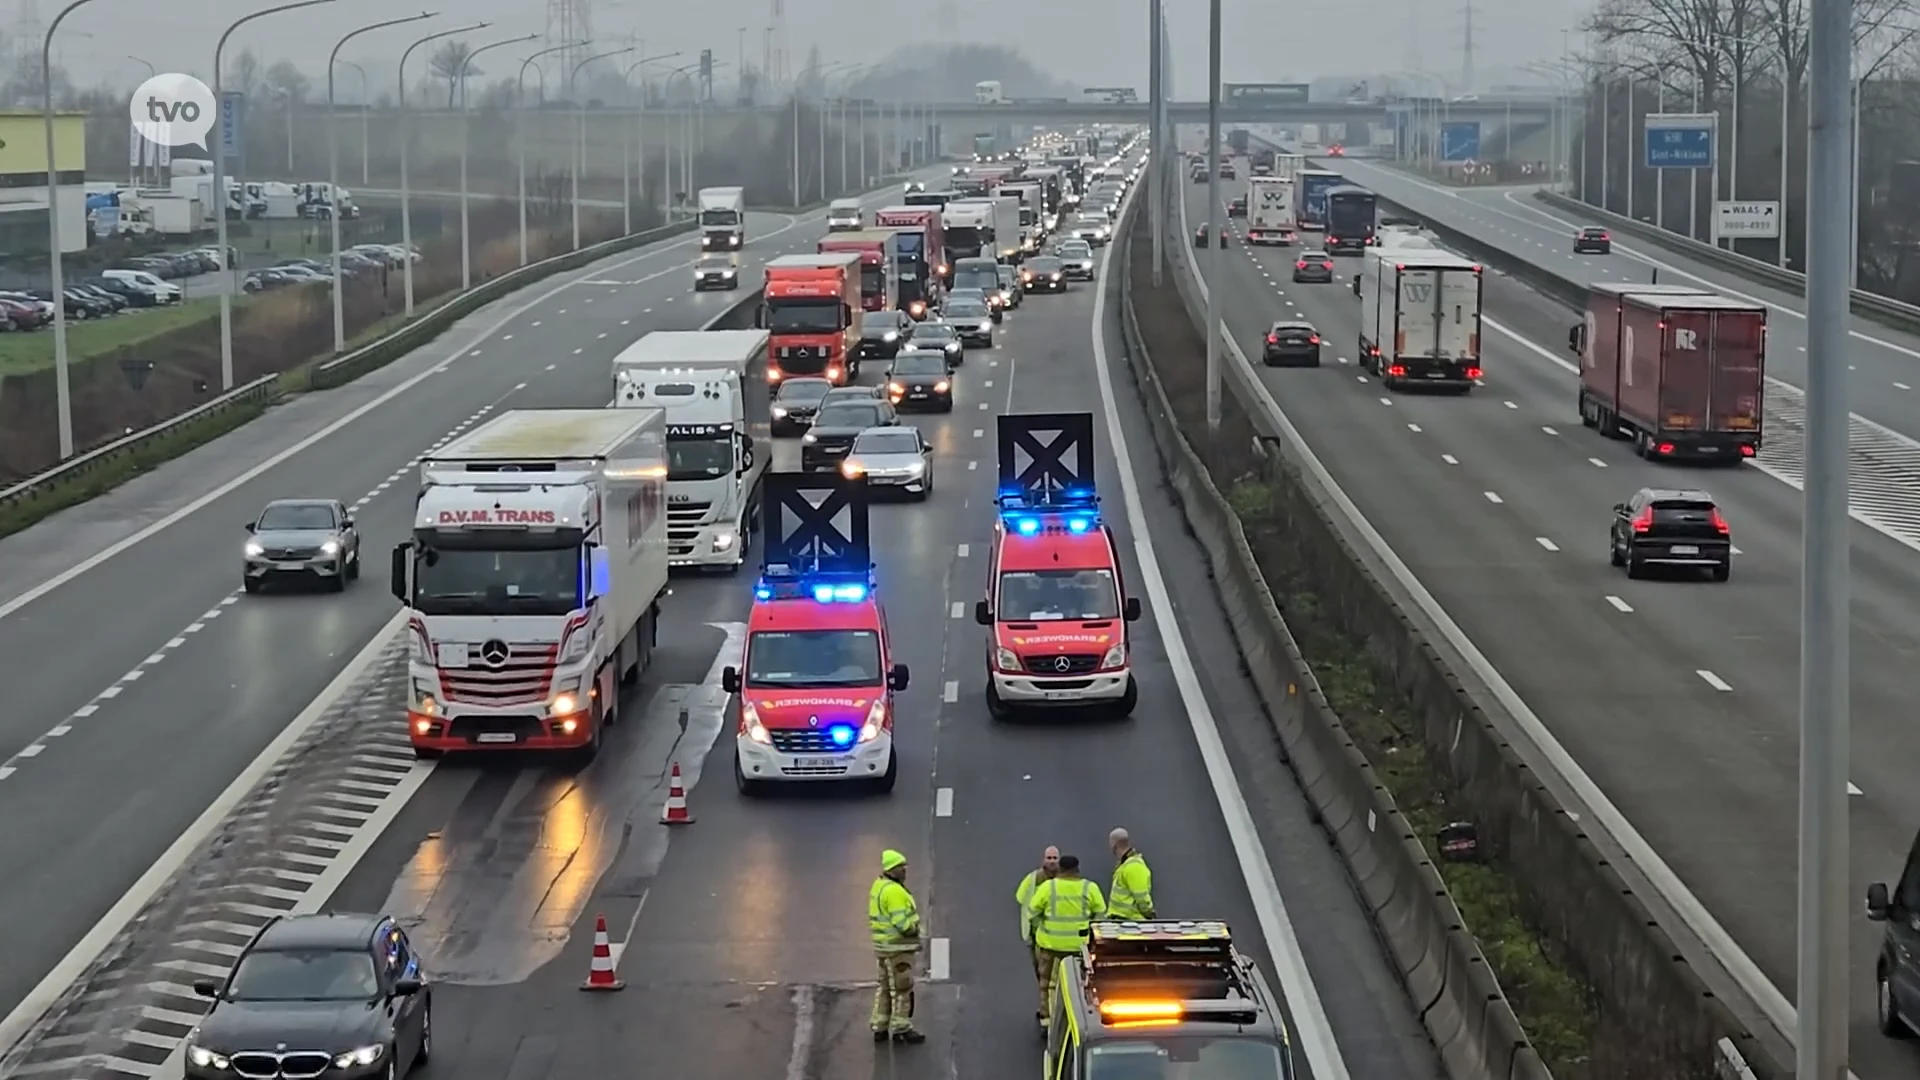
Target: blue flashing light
[842,734]
[1079,524]
[1027,525]
[763,592]
[780,582]
[839,594]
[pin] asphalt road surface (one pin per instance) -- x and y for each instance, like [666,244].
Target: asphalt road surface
[1678,697]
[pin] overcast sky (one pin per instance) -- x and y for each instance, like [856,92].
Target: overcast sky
[1089,42]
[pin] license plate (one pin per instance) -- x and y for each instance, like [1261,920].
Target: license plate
[1061,695]
[292,564]
[1708,449]
[917,393]
[496,737]
[452,654]
[816,763]
[1685,549]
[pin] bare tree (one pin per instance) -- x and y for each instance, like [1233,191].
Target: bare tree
[288,81]
[448,60]
[244,74]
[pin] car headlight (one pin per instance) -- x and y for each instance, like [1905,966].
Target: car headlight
[750,719]
[205,1058]
[890,336]
[876,720]
[917,468]
[727,273]
[254,550]
[852,469]
[331,547]
[809,437]
[942,386]
[1116,657]
[953,346]
[360,1056]
[1004,659]
[779,411]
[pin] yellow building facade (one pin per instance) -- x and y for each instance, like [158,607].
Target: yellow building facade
[23,179]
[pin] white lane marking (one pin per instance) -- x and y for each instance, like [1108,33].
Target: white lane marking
[961,551]
[32,750]
[1276,925]
[943,802]
[1415,428]
[972,465]
[110,692]
[1548,430]
[1597,463]
[1386,401]
[979,432]
[1546,543]
[1449,459]
[939,960]
[1620,605]
[802,1049]
[950,693]
[1901,386]
[1714,681]
[1854,789]
[983,406]
[1493,496]
[959,610]
[1509,404]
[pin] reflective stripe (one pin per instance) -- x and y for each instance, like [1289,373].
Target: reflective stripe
[1132,893]
[1023,895]
[892,917]
[1066,907]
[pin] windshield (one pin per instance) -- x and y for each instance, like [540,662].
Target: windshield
[1077,251]
[851,414]
[699,459]
[1043,595]
[813,658]
[844,210]
[1007,276]
[1044,266]
[1186,1058]
[304,975]
[803,391]
[886,442]
[1026,216]
[966,309]
[873,280]
[719,218]
[976,277]
[921,364]
[280,518]
[911,246]
[935,332]
[803,317]
[521,581]
[968,238]
[1093,221]
[715,262]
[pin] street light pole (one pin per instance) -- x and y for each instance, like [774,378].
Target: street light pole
[1214,245]
[137,169]
[1156,189]
[406,194]
[636,143]
[366,142]
[333,174]
[580,131]
[684,150]
[520,126]
[62,388]
[466,135]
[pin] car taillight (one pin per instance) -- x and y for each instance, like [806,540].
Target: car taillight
[1644,521]
[1664,448]
[1746,451]
[1326,266]
[1314,340]
[1606,236]
[1302,265]
[1273,339]
[1473,373]
[1719,523]
[1397,370]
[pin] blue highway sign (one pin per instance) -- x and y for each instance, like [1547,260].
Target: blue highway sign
[1460,140]
[1680,142]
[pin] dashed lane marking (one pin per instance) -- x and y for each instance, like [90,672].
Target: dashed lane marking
[943,802]
[1620,605]
[1546,543]
[1714,681]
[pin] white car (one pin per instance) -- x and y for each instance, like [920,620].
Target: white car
[163,292]
[1077,257]
[1093,228]
[896,456]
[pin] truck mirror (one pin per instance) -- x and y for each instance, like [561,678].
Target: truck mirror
[249,526]
[1575,336]
[1356,284]
[1879,904]
[746,461]
[1133,609]
[402,555]
[1619,508]
[760,317]
[599,572]
[982,614]
[897,678]
[730,679]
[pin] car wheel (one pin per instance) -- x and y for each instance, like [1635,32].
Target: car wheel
[1269,360]
[997,708]
[1891,1025]
[251,585]
[1124,707]
[883,785]
[1635,568]
[353,566]
[425,1053]
[1613,553]
[750,788]
[1723,571]
[338,583]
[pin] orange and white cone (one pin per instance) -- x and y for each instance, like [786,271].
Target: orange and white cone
[676,812]
[601,975]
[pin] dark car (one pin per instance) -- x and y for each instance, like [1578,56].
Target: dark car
[1896,974]
[1045,273]
[113,300]
[836,426]
[15,315]
[1200,237]
[940,336]
[883,332]
[302,538]
[79,305]
[268,279]
[1011,291]
[1291,344]
[1238,207]
[1313,266]
[134,296]
[921,379]
[335,995]
[1592,240]
[797,402]
[970,319]
[1669,527]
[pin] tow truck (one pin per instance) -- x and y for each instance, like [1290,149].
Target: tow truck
[816,682]
[1056,607]
[1164,998]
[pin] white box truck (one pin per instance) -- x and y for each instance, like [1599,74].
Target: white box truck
[1419,317]
[843,215]
[1288,166]
[723,218]
[986,227]
[1270,211]
[533,579]
[1030,199]
[713,386]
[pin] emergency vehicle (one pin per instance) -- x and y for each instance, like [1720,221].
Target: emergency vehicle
[1164,998]
[1056,609]
[816,684]
[811,307]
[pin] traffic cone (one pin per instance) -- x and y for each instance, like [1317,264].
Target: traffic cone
[676,812]
[601,975]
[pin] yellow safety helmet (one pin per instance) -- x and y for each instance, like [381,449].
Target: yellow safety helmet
[891,860]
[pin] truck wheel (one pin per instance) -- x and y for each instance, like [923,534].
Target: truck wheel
[883,785]
[997,708]
[752,789]
[1124,707]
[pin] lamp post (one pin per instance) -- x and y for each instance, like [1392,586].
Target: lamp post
[406,194]
[580,131]
[333,175]
[685,153]
[220,185]
[137,168]
[696,143]
[520,126]
[636,143]
[1214,282]
[466,235]
[846,84]
[62,388]
[366,144]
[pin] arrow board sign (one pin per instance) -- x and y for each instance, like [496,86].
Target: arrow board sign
[1746,221]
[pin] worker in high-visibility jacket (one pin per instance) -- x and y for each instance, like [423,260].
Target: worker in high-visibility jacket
[1131,896]
[1063,909]
[894,920]
[1023,896]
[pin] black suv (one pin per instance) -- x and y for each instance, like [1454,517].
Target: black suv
[794,406]
[1668,527]
[836,426]
[1592,240]
[1896,974]
[882,333]
[335,994]
[1291,343]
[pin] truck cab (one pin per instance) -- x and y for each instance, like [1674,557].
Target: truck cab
[715,405]
[817,680]
[843,215]
[1055,608]
[723,219]
[811,307]
[879,251]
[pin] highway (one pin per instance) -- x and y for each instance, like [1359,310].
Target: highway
[1679,698]
[742,938]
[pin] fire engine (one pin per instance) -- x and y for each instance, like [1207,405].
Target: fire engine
[1056,608]
[816,684]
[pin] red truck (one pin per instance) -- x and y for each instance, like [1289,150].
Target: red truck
[879,251]
[1679,371]
[922,240]
[811,311]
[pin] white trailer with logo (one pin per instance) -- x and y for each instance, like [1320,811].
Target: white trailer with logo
[713,386]
[1420,317]
[1270,210]
[533,579]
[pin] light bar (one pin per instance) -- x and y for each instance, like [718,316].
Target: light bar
[780,582]
[1142,1010]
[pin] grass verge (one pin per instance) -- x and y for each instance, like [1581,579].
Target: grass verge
[95,339]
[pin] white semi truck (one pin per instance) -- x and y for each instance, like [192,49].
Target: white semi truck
[723,218]
[1419,317]
[533,580]
[1270,211]
[713,387]
[987,227]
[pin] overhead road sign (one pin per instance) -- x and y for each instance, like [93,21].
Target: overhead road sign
[1681,140]
[1265,93]
[1460,140]
[1746,221]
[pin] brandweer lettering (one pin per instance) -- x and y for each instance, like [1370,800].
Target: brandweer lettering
[814,703]
[497,516]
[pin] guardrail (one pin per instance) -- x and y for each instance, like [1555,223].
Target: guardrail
[1576,894]
[1893,313]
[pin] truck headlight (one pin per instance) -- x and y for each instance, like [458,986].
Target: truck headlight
[254,550]
[361,1056]
[876,721]
[205,1058]
[723,541]
[1116,657]
[1005,660]
[750,720]
[564,704]
[809,437]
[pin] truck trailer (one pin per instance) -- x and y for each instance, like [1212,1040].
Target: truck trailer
[719,427]
[1310,197]
[1680,372]
[1270,210]
[921,251]
[1420,318]
[879,251]
[533,579]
